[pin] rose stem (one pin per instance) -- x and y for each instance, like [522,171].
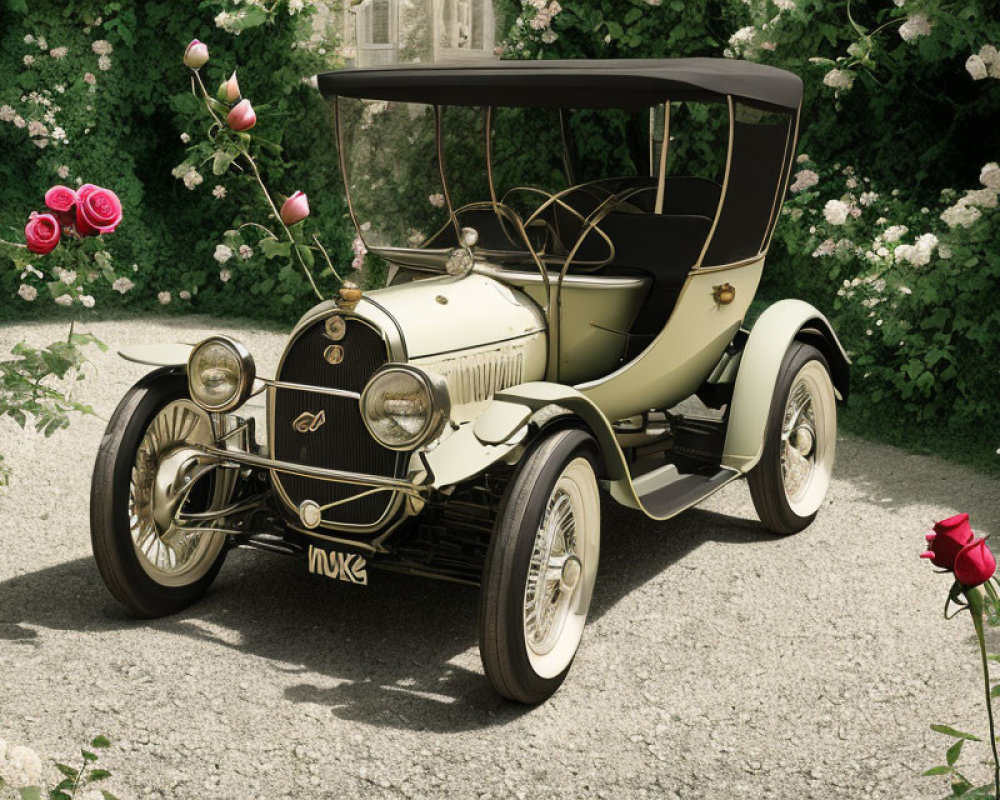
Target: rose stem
[975,599]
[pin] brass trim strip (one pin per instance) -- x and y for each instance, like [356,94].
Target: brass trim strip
[661,188]
[732,265]
[439,144]
[725,182]
[303,387]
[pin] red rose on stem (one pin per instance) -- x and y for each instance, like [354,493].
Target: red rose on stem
[97,210]
[60,198]
[975,564]
[949,537]
[42,233]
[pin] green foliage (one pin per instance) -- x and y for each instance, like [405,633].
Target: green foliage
[74,779]
[123,128]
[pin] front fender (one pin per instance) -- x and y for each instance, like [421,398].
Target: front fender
[158,355]
[781,324]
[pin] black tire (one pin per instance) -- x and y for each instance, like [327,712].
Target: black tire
[780,513]
[502,639]
[110,532]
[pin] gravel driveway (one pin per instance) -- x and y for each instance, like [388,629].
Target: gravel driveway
[719,661]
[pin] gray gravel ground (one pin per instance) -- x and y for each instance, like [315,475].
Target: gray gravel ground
[719,661]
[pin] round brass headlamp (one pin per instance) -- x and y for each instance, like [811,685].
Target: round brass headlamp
[220,374]
[404,407]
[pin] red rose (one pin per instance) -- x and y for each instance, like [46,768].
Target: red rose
[242,116]
[97,210]
[949,537]
[60,198]
[42,233]
[975,564]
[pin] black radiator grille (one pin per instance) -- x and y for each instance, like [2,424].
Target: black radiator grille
[342,442]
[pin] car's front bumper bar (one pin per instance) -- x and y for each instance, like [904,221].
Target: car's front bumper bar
[244,459]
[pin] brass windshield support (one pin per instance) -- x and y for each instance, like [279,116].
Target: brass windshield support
[439,143]
[567,160]
[725,181]
[661,186]
[342,159]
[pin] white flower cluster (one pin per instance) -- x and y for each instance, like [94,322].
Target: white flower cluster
[840,79]
[803,180]
[919,253]
[358,246]
[20,766]
[984,64]
[187,173]
[222,253]
[966,210]
[102,47]
[123,285]
[836,212]
[916,25]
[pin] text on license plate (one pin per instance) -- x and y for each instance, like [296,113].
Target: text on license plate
[348,567]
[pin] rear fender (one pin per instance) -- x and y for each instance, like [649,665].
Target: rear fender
[784,322]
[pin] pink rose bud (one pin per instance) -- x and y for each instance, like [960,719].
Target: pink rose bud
[97,210]
[950,535]
[975,564]
[295,209]
[242,116]
[232,87]
[42,233]
[196,54]
[60,198]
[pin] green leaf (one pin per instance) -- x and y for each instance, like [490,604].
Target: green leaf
[108,795]
[30,793]
[88,756]
[222,161]
[18,6]
[954,752]
[68,771]
[272,248]
[936,771]
[100,741]
[306,254]
[98,775]
[947,730]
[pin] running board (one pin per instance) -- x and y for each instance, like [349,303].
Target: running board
[664,492]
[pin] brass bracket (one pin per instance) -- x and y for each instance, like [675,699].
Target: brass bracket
[724,293]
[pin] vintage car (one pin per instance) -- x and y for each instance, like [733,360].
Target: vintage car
[559,320]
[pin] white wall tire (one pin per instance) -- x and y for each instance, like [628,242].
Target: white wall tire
[143,564]
[540,569]
[790,481]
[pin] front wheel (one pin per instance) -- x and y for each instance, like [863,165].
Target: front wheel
[540,569]
[151,563]
[790,480]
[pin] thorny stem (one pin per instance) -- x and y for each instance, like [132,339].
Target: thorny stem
[12,244]
[260,182]
[975,599]
[277,216]
[329,263]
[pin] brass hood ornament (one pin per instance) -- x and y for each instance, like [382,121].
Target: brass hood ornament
[348,296]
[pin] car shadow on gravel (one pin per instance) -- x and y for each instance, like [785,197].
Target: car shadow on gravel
[399,653]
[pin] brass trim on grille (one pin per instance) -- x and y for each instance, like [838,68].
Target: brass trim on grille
[392,348]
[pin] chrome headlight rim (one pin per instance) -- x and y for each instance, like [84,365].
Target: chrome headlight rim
[247,374]
[436,389]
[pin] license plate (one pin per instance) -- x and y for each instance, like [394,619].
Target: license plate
[347,567]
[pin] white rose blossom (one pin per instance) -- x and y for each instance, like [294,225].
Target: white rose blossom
[122,285]
[836,212]
[246,252]
[989,176]
[87,301]
[64,300]
[184,294]
[915,25]
[164,298]
[222,253]
[27,292]
[225,275]
[976,67]
[895,233]
[219,192]
[960,215]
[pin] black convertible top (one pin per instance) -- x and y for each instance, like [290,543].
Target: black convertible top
[620,83]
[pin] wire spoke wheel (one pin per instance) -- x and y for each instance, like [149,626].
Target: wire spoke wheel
[790,481]
[541,568]
[168,553]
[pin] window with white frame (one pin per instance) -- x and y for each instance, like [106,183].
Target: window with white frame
[378,32]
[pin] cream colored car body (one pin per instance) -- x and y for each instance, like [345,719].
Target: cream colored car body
[485,333]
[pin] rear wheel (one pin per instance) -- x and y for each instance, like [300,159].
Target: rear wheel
[790,480]
[149,562]
[540,569]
